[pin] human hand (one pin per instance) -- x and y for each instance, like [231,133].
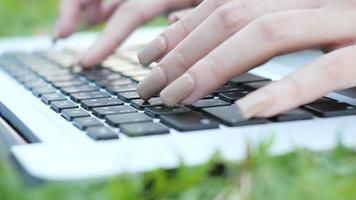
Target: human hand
[123,16]
[220,39]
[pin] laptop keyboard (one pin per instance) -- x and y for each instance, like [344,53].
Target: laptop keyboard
[104,103]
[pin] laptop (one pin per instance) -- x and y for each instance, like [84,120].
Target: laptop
[62,123]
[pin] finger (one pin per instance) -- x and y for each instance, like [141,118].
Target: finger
[176,16]
[98,13]
[334,71]
[332,47]
[126,18]
[177,32]
[225,21]
[69,17]
[266,37]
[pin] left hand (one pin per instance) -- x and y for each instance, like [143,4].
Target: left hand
[221,39]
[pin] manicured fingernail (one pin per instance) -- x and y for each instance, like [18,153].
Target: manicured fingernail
[153,51]
[253,104]
[178,90]
[152,84]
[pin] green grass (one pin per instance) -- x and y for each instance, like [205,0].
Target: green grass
[34,17]
[302,174]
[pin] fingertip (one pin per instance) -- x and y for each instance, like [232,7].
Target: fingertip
[152,84]
[178,90]
[254,104]
[153,51]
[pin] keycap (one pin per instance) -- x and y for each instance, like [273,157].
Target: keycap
[58,106]
[143,129]
[332,109]
[228,88]
[107,83]
[293,115]
[92,103]
[62,78]
[77,89]
[77,97]
[48,98]
[85,122]
[107,77]
[70,114]
[231,116]
[62,84]
[101,112]
[205,103]
[157,111]
[256,85]
[34,84]
[189,121]
[141,104]
[231,97]
[128,96]
[323,100]
[247,78]
[117,120]
[39,91]
[102,133]
[121,88]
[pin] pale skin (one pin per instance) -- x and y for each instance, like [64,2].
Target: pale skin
[219,39]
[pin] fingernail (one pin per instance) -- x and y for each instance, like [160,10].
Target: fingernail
[152,84]
[253,104]
[178,90]
[153,51]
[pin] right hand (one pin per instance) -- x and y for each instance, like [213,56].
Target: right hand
[123,16]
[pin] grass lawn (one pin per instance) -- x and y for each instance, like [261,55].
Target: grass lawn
[302,174]
[33,17]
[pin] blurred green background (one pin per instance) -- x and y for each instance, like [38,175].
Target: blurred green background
[33,17]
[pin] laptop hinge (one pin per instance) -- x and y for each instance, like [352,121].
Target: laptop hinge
[11,121]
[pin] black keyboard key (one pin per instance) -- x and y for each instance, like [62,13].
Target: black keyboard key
[293,115]
[108,83]
[62,78]
[157,111]
[77,97]
[101,112]
[323,100]
[58,106]
[231,97]
[107,77]
[77,89]
[121,88]
[231,116]
[70,114]
[128,96]
[256,85]
[48,98]
[143,129]
[39,91]
[35,84]
[92,103]
[85,122]
[205,103]
[117,120]
[228,88]
[189,121]
[102,133]
[141,104]
[332,109]
[247,78]
[62,84]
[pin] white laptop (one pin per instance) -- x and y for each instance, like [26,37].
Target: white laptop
[63,124]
